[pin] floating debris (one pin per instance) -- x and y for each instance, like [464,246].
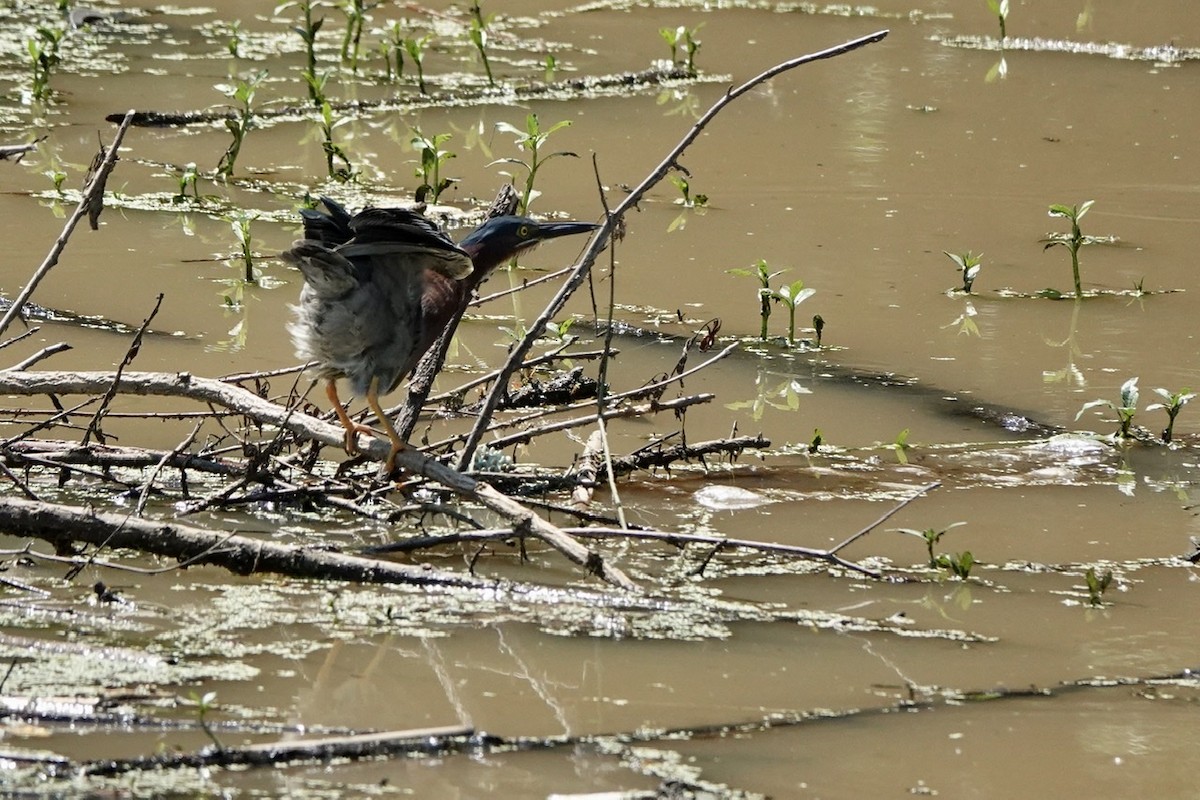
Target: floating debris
[1167,54]
[728,498]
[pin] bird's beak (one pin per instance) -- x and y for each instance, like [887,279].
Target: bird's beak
[553,230]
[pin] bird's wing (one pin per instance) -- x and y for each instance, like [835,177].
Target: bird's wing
[400,232]
[329,229]
[330,274]
[409,256]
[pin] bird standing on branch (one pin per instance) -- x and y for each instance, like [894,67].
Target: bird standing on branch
[380,286]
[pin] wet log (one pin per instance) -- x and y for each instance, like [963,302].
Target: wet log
[63,525]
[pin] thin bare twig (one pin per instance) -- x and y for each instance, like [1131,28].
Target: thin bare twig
[162,462]
[130,354]
[86,203]
[523,436]
[13,340]
[41,355]
[920,491]
[668,537]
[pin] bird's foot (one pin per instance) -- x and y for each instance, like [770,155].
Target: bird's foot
[389,466]
[350,441]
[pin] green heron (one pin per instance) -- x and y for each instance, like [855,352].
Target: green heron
[380,286]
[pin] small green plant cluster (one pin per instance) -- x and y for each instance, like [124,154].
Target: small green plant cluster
[682,39]
[790,295]
[334,152]
[204,704]
[43,48]
[429,167]
[242,120]
[959,564]
[234,43]
[416,52]
[687,199]
[356,17]
[968,265]
[1126,407]
[532,140]
[1073,241]
[240,223]
[394,48]
[187,181]
[307,30]
[478,34]
[1173,403]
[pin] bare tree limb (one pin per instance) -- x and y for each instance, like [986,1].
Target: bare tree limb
[615,219]
[41,355]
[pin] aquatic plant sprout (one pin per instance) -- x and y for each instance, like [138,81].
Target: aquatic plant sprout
[1075,239]
[968,265]
[1125,410]
[1172,403]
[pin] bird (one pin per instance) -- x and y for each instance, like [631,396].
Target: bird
[380,287]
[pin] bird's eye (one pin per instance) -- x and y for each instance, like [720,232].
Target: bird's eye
[523,231]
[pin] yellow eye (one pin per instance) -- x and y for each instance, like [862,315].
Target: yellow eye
[523,231]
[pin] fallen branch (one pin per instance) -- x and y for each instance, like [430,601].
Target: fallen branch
[664,456]
[425,741]
[41,451]
[617,412]
[63,524]
[456,740]
[216,392]
[675,539]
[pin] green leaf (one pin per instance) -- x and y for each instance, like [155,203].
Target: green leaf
[1094,404]
[1129,393]
[506,127]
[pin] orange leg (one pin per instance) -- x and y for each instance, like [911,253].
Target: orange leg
[352,427]
[397,442]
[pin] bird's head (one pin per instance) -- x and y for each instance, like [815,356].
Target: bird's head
[501,238]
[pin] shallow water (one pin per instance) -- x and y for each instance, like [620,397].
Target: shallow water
[853,174]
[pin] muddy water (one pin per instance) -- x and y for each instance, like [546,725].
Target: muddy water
[852,174]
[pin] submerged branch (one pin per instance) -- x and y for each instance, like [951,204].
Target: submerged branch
[459,97]
[440,742]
